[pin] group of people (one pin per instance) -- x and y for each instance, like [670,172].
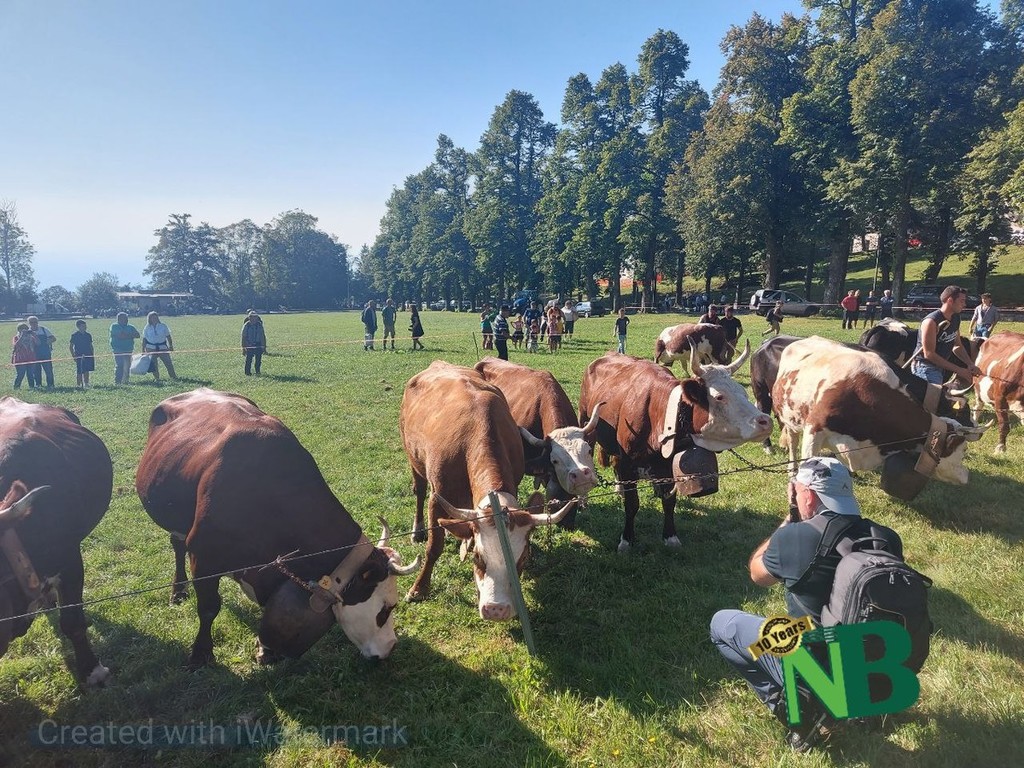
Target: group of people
[528,328]
[32,351]
[389,316]
[880,306]
[729,322]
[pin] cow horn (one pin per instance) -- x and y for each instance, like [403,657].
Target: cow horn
[972,434]
[385,533]
[396,567]
[736,364]
[21,507]
[960,392]
[555,518]
[468,515]
[588,431]
[695,367]
[529,438]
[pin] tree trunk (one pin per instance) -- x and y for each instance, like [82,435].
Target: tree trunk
[983,267]
[838,263]
[680,268]
[772,259]
[809,273]
[899,255]
[943,236]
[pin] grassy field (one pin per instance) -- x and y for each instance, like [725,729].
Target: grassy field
[625,674]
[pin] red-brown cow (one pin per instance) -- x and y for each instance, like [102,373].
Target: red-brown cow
[650,417]
[461,439]
[236,489]
[41,531]
[558,452]
[674,344]
[1001,385]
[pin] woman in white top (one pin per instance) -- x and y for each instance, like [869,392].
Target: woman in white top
[156,339]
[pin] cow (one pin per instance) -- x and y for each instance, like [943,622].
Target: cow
[855,403]
[650,420]
[236,490]
[674,344]
[56,479]
[896,341]
[462,441]
[764,368]
[557,451]
[1001,384]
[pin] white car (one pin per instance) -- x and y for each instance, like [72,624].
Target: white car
[764,299]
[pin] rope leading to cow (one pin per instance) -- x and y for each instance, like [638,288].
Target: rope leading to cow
[281,561]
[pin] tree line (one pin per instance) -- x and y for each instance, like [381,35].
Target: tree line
[903,118]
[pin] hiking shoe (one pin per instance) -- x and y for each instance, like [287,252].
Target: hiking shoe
[815,723]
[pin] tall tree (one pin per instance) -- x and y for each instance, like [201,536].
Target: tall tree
[313,265]
[16,254]
[508,185]
[186,259]
[241,248]
[98,294]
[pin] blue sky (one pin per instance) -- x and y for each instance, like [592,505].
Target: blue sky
[119,113]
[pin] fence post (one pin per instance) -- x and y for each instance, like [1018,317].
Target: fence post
[513,574]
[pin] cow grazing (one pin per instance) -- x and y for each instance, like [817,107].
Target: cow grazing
[236,489]
[56,479]
[674,344]
[1001,385]
[855,403]
[461,439]
[649,418]
[557,451]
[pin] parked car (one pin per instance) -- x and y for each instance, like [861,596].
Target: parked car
[764,299]
[927,297]
[437,305]
[591,309]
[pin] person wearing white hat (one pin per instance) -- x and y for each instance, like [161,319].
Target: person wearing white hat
[822,487]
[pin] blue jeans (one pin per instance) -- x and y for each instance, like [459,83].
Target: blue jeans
[733,632]
[925,370]
[622,343]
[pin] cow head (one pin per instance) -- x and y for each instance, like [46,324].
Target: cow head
[570,453]
[942,454]
[16,506]
[367,601]
[723,416]
[493,586]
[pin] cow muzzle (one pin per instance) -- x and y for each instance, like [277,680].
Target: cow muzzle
[695,472]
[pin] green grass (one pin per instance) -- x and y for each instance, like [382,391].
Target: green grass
[625,674]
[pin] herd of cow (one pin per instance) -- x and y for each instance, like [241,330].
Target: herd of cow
[237,491]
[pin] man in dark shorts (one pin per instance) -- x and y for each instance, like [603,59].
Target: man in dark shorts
[732,326]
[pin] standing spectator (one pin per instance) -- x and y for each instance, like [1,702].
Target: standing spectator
[122,344]
[44,351]
[870,308]
[254,342]
[501,332]
[487,318]
[156,338]
[369,318]
[849,305]
[517,331]
[711,316]
[531,314]
[555,321]
[569,316]
[732,326]
[532,334]
[23,355]
[885,304]
[620,329]
[984,319]
[774,318]
[387,316]
[82,350]
[415,327]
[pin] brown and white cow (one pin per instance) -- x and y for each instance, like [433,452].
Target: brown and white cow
[462,441]
[649,417]
[1001,385]
[558,452]
[56,480]
[855,403]
[236,489]
[674,344]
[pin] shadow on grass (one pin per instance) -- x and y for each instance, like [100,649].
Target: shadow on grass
[635,626]
[287,377]
[957,619]
[991,503]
